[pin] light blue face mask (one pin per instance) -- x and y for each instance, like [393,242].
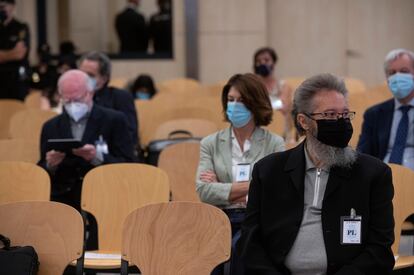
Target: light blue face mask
[92,83]
[238,114]
[401,84]
[142,95]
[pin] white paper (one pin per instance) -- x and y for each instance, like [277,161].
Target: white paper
[93,255]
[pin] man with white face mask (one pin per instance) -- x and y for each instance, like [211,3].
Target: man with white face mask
[388,128]
[103,132]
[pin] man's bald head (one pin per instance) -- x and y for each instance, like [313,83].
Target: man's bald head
[75,85]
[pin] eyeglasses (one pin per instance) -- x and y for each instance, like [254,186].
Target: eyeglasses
[332,115]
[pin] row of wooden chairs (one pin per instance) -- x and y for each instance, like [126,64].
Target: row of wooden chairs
[164,238]
[109,192]
[108,183]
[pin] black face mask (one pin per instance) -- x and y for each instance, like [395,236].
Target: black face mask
[336,133]
[262,70]
[3,16]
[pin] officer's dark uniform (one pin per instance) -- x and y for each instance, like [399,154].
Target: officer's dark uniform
[132,31]
[14,75]
[161,32]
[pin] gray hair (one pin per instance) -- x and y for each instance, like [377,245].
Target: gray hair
[77,77]
[102,59]
[304,94]
[394,54]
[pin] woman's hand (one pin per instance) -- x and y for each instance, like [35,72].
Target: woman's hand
[208,176]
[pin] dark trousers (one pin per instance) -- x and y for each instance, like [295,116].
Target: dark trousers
[72,197]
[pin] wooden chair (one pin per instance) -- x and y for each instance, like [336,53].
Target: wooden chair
[54,229]
[294,82]
[21,181]
[149,129]
[278,124]
[179,85]
[197,127]
[27,124]
[19,150]
[176,238]
[33,99]
[355,85]
[180,161]
[119,82]
[403,180]
[110,193]
[8,107]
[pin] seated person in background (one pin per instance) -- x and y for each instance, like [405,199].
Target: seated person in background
[103,132]
[388,128]
[226,157]
[319,208]
[280,93]
[143,87]
[98,66]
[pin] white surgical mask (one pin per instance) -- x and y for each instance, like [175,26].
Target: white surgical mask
[76,110]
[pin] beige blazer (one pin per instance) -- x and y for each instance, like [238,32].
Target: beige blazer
[216,155]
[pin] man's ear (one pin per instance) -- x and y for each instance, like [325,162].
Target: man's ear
[302,121]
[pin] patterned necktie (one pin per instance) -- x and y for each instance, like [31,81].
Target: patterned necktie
[400,137]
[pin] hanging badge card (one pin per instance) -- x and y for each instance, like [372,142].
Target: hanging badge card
[243,172]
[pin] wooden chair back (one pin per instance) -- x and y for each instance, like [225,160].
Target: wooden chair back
[28,123]
[19,150]
[111,192]
[118,82]
[355,85]
[179,85]
[54,229]
[294,82]
[33,99]
[176,238]
[180,161]
[403,180]
[197,127]
[278,124]
[20,181]
[8,107]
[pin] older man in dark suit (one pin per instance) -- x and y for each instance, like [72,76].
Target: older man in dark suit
[103,133]
[319,208]
[388,128]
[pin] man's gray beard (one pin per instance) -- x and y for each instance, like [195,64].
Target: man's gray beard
[331,156]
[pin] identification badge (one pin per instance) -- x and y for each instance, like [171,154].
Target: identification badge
[101,145]
[243,172]
[351,228]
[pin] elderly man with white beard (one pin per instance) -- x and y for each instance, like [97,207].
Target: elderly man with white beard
[319,208]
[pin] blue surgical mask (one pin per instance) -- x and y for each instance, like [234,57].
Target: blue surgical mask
[401,84]
[92,83]
[238,114]
[142,95]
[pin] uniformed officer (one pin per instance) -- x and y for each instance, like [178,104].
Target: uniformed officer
[14,50]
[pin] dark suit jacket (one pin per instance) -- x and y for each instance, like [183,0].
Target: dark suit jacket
[122,101]
[102,121]
[275,209]
[376,128]
[132,31]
